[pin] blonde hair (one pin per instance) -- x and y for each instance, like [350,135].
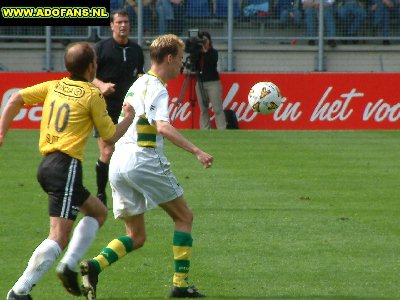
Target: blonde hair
[164,45]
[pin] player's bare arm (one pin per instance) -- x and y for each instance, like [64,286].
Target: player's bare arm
[12,108]
[122,127]
[106,88]
[173,135]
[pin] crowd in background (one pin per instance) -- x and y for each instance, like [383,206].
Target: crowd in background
[341,17]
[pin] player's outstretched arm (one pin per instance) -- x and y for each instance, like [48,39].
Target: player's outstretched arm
[106,88]
[173,135]
[12,108]
[122,127]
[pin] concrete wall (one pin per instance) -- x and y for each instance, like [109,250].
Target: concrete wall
[254,57]
[304,58]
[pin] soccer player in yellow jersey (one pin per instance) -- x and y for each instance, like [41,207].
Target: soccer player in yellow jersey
[140,174]
[71,107]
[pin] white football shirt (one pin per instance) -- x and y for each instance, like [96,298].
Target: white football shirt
[149,97]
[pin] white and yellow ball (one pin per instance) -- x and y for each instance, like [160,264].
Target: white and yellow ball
[265,97]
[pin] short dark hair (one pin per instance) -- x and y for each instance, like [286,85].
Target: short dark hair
[121,12]
[78,57]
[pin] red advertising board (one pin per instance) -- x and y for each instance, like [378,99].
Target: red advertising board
[332,101]
[29,117]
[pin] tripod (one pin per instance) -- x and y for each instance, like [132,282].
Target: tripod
[192,76]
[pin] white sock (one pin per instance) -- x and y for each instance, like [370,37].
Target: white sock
[40,262]
[83,236]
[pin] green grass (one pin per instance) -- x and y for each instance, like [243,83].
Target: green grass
[280,215]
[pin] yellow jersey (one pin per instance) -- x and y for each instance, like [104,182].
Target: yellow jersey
[70,110]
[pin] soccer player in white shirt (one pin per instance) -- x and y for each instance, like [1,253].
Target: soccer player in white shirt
[140,174]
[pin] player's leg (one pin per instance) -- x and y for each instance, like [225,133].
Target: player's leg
[128,205]
[45,255]
[102,167]
[214,90]
[106,151]
[95,214]
[55,173]
[182,217]
[40,262]
[91,268]
[121,246]
[162,189]
[203,105]
[61,177]
[113,252]
[85,232]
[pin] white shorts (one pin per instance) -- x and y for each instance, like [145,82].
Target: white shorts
[140,180]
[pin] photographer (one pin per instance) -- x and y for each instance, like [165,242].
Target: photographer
[206,65]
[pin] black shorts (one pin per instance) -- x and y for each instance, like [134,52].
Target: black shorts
[60,176]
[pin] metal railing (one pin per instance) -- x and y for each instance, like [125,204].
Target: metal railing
[234,27]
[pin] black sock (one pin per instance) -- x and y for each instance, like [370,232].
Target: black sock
[101,176]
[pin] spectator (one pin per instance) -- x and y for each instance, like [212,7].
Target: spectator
[67,32]
[208,86]
[220,8]
[257,8]
[289,10]
[381,17]
[311,10]
[116,4]
[197,8]
[131,6]
[397,9]
[165,15]
[351,15]
[176,25]
[171,15]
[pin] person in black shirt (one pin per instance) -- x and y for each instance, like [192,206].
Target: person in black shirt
[119,63]
[212,87]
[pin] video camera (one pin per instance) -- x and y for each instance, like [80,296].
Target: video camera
[193,47]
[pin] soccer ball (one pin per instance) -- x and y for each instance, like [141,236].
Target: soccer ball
[264,97]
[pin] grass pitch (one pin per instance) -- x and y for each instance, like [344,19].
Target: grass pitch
[280,215]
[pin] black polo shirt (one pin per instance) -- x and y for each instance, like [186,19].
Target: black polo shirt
[119,64]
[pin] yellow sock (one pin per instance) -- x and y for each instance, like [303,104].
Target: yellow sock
[182,248]
[115,250]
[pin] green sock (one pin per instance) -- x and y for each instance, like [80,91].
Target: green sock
[115,250]
[182,248]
